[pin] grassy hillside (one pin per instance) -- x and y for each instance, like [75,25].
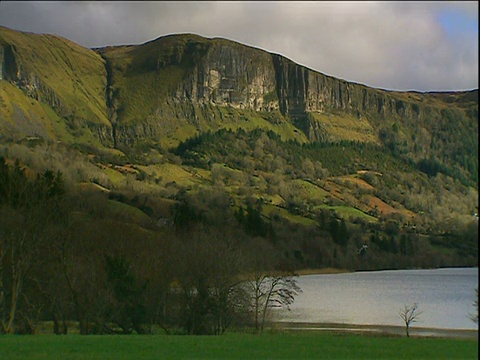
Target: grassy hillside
[69,79]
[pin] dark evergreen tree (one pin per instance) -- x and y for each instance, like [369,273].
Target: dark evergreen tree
[343,234]
[127,309]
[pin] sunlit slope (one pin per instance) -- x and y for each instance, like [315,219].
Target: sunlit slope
[47,69]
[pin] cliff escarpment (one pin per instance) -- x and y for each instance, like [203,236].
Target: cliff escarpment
[178,86]
[192,69]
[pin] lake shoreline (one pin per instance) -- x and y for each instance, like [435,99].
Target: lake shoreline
[330,270]
[323,271]
[376,330]
[372,300]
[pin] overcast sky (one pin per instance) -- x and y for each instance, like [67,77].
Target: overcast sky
[423,46]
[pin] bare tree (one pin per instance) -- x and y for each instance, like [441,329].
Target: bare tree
[409,315]
[474,317]
[29,210]
[269,287]
[272,290]
[209,268]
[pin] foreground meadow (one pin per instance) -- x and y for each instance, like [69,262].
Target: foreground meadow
[308,345]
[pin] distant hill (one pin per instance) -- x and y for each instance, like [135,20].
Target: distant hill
[187,113]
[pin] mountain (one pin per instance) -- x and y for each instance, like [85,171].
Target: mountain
[182,113]
[177,86]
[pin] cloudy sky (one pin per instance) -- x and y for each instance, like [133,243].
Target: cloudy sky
[423,46]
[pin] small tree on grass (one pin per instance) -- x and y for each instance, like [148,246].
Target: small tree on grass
[409,315]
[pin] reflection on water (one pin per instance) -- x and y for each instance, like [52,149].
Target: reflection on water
[445,297]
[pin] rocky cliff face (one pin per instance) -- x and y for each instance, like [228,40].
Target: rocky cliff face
[248,78]
[228,74]
[191,84]
[179,85]
[231,74]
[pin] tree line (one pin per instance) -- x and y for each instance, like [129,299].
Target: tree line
[64,259]
[75,258]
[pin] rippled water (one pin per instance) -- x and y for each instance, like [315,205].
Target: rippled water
[445,297]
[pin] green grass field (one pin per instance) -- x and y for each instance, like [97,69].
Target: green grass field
[296,345]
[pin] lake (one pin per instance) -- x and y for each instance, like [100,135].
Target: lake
[444,296]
